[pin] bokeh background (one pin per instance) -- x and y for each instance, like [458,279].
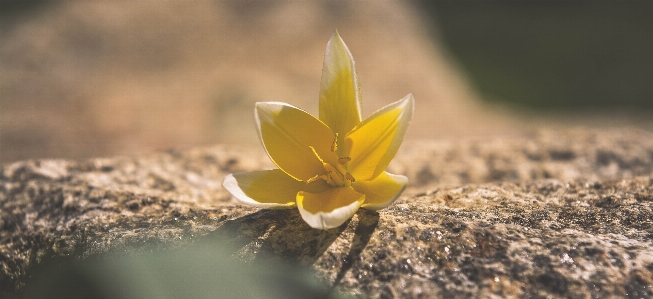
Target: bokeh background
[81,79]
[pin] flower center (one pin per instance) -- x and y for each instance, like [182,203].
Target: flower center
[336,176]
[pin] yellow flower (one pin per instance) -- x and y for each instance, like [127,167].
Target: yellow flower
[331,166]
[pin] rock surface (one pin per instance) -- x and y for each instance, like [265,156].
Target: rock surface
[552,214]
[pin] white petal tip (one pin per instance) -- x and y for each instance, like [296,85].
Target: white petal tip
[231,185]
[400,179]
[333,219]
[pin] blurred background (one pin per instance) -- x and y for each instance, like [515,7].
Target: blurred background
[81,79]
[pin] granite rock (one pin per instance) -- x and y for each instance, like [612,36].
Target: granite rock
[552,214]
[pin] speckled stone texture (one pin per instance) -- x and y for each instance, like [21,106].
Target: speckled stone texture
[553,214]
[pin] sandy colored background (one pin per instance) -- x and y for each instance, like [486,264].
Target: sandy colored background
[85,79]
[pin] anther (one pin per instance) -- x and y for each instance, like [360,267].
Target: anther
[343,160]
[313,179]
[350,177]
[334,145]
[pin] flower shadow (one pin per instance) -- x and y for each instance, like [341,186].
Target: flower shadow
[277,235]
[282,235]
[286,246]
[367,223]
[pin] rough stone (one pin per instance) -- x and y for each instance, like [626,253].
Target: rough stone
[554,214]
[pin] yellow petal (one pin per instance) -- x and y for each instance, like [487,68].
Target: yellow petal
[340,100]
[287,133]
[381,191]
[330,208]
[263,189]
[373,143]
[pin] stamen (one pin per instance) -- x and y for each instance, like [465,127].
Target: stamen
[340,169]
[313,179]
[328,179]
[350,177]
[334,145]
[335,176]
[318,156]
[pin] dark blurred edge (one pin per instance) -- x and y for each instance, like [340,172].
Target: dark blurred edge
[11,10]
[205,269]
[551,55]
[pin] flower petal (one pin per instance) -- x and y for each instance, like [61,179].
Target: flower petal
[263,189]
[340,99]
[381,191]
[330,208]
[287,133]
[372,144]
